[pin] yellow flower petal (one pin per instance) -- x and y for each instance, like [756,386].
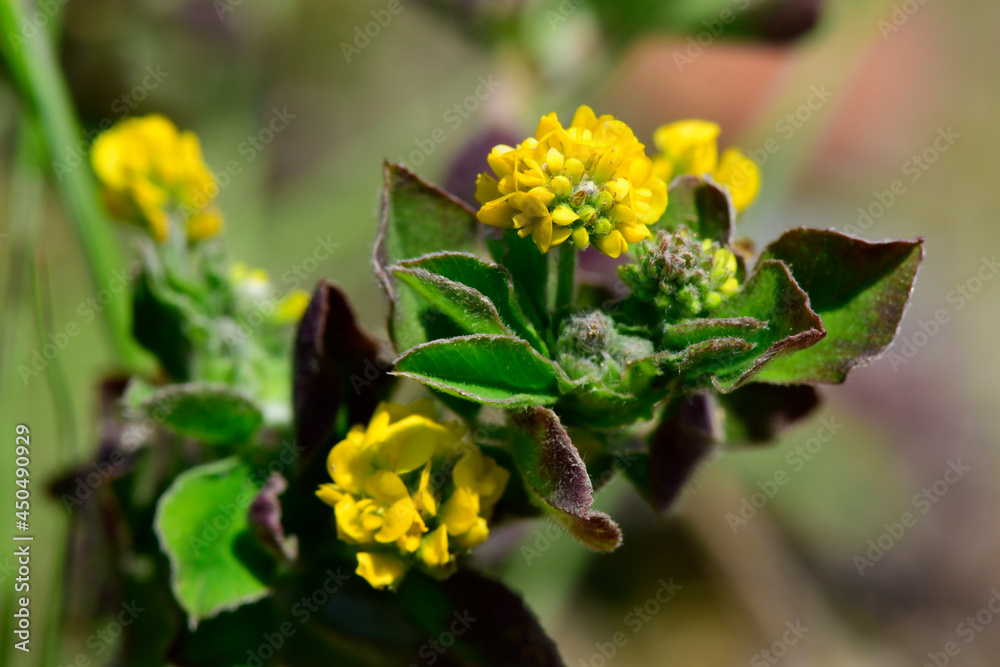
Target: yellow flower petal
[584,118]
[563,215]
[741,176]
[397,520]
[634,233]
[350,525]
[434,548]
[541,234]
[612,244]
[486,189]
[385,487]
[554,161]
[497,213]
[381,570]
[424,499]
[460,511]
[409,443]
[329,494]
[350,465]
[474,536]
[291,308]
[690,144]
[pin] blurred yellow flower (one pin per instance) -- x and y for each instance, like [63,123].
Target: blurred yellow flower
[690,147]
[153,175]
[590,182]
[254,286]
[381,570]
[389,481]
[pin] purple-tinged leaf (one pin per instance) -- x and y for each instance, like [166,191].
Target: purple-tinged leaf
[557,478]
[858,287]
[678,445]
[335,364]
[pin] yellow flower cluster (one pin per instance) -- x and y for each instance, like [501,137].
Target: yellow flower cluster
[591,182]
[154,175]
[255,286]
[388,483]
[689,147]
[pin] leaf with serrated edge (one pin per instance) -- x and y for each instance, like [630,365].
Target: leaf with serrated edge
[771,295]
[496,370]
[201,522]
[858,287]
[490,280]
[557,478]
[417,218]
[528,268]
[466,307]
[680,335]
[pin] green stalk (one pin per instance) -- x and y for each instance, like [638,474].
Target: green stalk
[565,275]
[27,185]
[32,62]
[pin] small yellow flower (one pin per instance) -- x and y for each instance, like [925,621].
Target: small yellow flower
[291,307]
[590,182]
[153,174]
[434,549]
[388,482]
[740,175]
[381,570]
[255,288]
[690,147]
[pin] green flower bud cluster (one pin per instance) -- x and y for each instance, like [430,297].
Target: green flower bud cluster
[683,276]
[590,345]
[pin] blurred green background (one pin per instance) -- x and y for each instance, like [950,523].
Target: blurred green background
[296,116]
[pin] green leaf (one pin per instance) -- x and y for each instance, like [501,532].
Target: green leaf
[701,206]
[593,405]
[478,295]
[772,296]
[528,268]
[858,287]
[212,413]
[201,521]
[496,370]
[717,355]
[159,326]
[417,218]
[557,479]
[678,336]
